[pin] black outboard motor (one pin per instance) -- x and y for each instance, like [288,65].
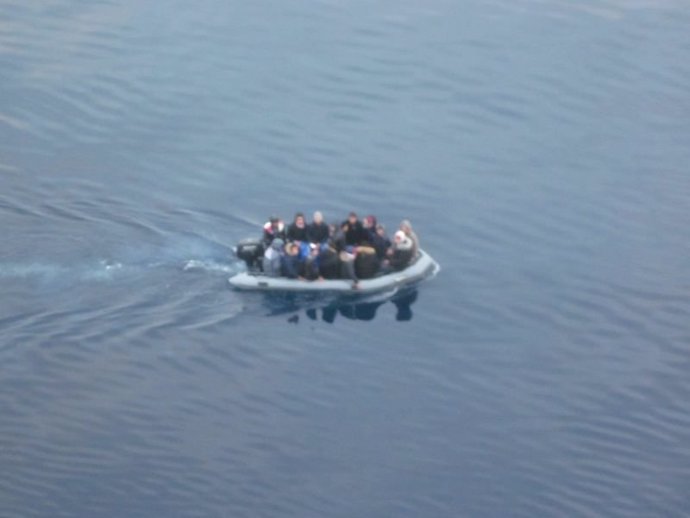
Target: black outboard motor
[251,252]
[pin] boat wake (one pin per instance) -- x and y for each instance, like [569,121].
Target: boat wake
[109,269]
[210,265]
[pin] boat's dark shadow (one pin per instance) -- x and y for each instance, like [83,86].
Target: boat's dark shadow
[326,308]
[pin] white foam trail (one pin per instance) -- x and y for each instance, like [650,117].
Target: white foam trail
[105,269]
[209,266]
[12,270]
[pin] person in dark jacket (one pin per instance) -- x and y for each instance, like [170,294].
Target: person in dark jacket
[347,267]
[297,230]
[273,228]
[369,226]
[339,238]
[354,231]
[400,255]
[329,262]
[366,261]
[380,242]
[290,262]
[310,266]
[317,230]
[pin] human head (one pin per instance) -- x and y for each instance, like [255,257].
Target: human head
[318,217]
[352,217]
[380,229]
[369,222]
[299,219]
[277,243]
[293,248]
[402,242]
[275,221]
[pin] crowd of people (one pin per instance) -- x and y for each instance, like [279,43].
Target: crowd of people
[352,250]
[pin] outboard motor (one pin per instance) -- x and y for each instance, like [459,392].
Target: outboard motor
[250,251]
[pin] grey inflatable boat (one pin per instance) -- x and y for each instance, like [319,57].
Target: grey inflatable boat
[423,267]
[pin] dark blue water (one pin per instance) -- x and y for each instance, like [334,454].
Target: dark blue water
[541,150]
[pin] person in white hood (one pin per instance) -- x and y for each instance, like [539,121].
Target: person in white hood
[400,254]
[406,227]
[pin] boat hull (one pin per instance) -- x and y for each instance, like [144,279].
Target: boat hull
[422,268]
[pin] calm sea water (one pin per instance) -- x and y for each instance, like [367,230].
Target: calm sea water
[541,150]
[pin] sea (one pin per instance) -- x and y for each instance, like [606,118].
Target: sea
[541,150]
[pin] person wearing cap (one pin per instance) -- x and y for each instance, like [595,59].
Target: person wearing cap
[317,230]
[272,258]
[273,228]
[406,227]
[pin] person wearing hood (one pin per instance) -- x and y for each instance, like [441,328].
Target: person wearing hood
[400,254]
[272,258]
[406,227]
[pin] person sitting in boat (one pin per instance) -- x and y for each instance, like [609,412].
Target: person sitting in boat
[310,267]
[369,226]
[297,230]
[272,258]
[366,261]
[347,265]
[354,231]
[380,241]
[329,261]
[406,227]
[339,238]
[273,228]
[317,230]
[400,254]
[291,264]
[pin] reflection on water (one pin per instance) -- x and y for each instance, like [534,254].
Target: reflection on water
[317,307]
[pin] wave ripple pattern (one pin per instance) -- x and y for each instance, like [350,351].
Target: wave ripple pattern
[541,150]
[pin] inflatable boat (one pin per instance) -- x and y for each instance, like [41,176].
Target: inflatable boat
[422,267]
